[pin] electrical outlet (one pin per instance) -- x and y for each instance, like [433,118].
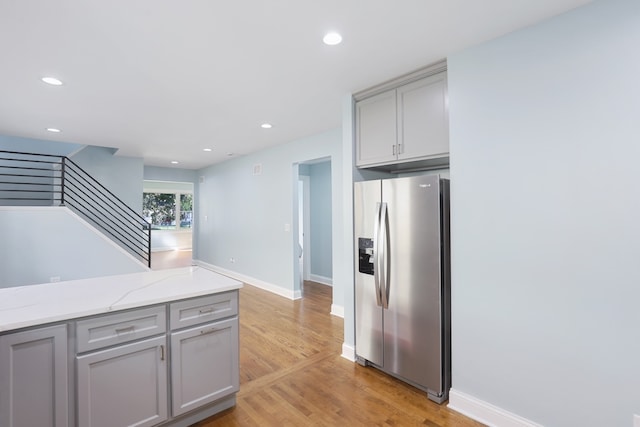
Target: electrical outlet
[232,260]
[54,279]
[636,421]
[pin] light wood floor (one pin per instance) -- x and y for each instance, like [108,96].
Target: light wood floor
[292,374]
[162,260]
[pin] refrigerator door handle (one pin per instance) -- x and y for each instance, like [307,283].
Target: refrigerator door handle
[376,261]
[383,251]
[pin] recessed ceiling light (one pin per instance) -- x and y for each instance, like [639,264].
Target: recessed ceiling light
[52,81]
[332,39]
[174,162]
[266,126]
[207,149]
[54,130]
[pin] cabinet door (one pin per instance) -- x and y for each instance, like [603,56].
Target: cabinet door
[123,386]
[33,378]
[376,129]
[204,364]
[423,123]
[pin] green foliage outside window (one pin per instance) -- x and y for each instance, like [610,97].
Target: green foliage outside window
[160,208]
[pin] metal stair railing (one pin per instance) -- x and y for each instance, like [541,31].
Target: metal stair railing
[30,179]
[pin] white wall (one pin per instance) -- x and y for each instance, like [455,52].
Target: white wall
[242,216]
[43,242]
[545,206]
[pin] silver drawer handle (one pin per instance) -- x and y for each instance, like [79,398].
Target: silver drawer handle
[208,331]
[127,330]
[207,310]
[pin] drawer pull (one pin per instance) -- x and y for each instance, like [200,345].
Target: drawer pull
[127,330]
[161,352]
[207,310]
[208,331]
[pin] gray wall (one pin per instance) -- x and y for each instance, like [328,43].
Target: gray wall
[156,173]
[120,175]
[37,146]
[43,242]
[243,216]
[320,219]
[545,218]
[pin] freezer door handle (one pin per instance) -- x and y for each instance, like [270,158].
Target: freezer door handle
[383,251]
[376,261]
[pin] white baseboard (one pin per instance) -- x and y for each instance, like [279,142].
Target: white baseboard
[485,412]
[337,310]
[321,279]
[292,295]
[348,352]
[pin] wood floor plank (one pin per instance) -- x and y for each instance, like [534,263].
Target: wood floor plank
[292,374]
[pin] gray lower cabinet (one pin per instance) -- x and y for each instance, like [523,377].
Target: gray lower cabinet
[204,364]
[129,366]
[34,378]
[124,385]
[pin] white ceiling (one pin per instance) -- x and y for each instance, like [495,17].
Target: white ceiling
[164,79]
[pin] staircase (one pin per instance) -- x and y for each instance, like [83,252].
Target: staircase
[29,179]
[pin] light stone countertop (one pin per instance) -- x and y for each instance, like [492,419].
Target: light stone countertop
[33,305]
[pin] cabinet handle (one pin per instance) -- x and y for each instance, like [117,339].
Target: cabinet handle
[161,352]
[400,149]
[207,310]
[127,330]
[394,149]
[208,331]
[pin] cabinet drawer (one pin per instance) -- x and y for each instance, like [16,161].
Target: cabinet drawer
[120,328]
[205,309]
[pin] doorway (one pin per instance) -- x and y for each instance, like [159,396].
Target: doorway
[313,200]
[168,207]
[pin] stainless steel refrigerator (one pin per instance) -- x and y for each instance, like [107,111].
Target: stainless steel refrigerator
[402,281]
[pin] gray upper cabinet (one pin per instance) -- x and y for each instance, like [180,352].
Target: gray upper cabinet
[423,118]
[34,378]
[405,124]
[376,133]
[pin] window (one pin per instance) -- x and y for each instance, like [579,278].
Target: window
[186,210]
[161,210]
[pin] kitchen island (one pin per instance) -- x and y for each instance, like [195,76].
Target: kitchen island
[151,349]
